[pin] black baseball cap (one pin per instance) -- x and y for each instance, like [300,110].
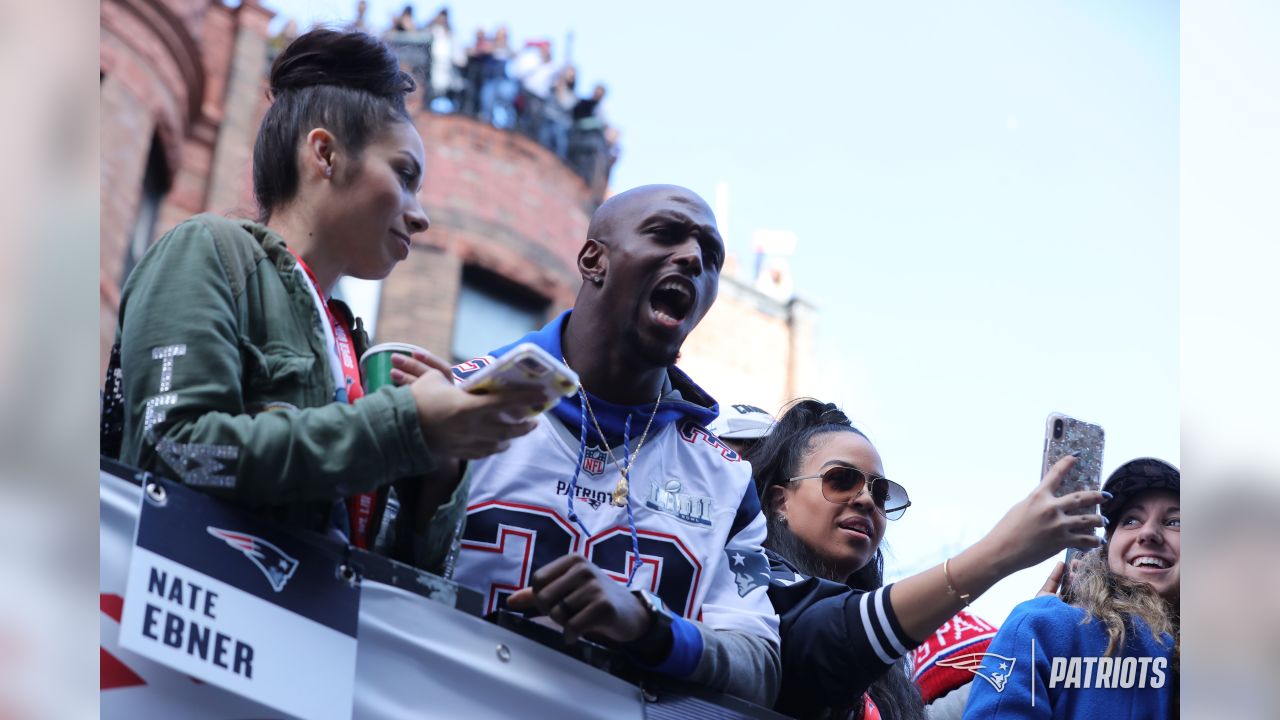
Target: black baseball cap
[1134,477]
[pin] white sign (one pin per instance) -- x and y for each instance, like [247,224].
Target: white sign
[266,619]
[212,631]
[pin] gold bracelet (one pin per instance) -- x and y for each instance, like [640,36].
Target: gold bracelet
[951,588]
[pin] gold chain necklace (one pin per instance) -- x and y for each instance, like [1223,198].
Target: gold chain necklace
[623,488]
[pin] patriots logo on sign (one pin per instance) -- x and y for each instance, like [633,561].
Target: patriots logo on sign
[593,461]
[271,560]
[991,667]
[750,569]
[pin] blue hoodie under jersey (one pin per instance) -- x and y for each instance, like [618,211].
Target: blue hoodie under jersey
[694,403]
[621,424]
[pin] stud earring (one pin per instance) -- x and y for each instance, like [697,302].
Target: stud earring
[597,279]
[328,171]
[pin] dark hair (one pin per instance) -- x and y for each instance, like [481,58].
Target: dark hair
[349,83]
[747,447]
[779,455]
[778,458]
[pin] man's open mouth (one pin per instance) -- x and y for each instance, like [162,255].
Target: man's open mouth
[672,300]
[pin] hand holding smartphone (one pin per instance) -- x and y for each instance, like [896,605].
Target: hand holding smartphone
[1068,560]
[1065,435]
[1059,580]
[526,365]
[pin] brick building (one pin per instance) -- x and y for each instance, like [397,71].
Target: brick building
[754,349]
[183,91]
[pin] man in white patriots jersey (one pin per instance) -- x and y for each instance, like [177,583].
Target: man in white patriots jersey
[621,517]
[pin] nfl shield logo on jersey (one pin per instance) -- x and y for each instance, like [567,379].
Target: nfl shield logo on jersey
[593,461]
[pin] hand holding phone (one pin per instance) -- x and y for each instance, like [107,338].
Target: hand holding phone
[525,366]
[1065,435]
[1059,580]
[1054,583]
[1069,562]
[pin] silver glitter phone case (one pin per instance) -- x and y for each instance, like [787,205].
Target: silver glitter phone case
[1065,435]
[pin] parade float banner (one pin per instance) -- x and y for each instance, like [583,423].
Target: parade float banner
[420,647]
[422,650]
[241,603]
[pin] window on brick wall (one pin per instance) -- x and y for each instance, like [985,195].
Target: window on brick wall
[155,184]
[492,312]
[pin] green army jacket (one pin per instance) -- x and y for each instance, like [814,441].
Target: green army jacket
[225,385]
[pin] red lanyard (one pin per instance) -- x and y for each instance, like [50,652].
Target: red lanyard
[869,709]
[341,338]
[359,507]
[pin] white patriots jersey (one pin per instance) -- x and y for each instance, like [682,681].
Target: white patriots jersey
[700,544]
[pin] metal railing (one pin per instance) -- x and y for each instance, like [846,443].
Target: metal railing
[482,90]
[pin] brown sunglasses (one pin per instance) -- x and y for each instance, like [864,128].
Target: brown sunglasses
[842,484]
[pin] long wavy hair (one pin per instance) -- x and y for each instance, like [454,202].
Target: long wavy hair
[1114,600]
[778,458]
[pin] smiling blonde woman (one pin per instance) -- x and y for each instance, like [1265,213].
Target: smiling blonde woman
[1109,647]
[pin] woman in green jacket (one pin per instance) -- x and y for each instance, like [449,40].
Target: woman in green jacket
[235,371]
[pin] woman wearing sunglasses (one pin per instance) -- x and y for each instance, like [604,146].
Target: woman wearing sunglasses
[827,502]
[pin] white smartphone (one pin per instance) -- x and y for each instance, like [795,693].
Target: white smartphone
[525,365]
[1065,435]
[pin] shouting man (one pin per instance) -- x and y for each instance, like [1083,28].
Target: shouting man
[621,517]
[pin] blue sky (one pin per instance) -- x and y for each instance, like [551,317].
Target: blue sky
[985,196]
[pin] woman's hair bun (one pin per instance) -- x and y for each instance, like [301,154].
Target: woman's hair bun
[348,83]
[353,60]
[807,412]
[782,451]
[829,414]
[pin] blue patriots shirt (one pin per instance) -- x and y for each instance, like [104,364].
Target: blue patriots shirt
[1047,663]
